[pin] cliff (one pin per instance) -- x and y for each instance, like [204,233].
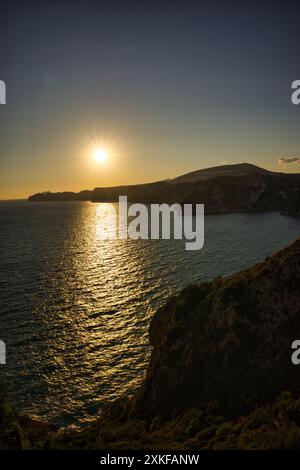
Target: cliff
[226,342]
[229,188]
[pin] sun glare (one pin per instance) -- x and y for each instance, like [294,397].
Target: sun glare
[100,155]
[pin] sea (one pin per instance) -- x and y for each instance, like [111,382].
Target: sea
[75,310]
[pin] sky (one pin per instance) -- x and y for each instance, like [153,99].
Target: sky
[166,87]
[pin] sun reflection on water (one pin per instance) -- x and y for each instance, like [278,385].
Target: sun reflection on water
[75,310]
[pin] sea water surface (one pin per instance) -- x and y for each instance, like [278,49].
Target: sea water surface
[75,310]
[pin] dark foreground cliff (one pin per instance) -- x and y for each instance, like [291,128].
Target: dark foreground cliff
[220,374]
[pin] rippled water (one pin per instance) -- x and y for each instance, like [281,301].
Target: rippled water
[74,310]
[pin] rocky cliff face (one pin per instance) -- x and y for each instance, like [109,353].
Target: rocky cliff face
[227,343]
[233,194]
[230,188]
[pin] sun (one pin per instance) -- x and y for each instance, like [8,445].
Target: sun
[100,155]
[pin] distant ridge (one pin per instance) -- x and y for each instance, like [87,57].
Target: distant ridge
[239,169]
[223,189]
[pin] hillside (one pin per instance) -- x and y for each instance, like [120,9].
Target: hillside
[240,169]
[219,341]
[230,188]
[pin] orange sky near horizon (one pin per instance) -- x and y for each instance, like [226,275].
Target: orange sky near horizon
[20,187]
[168,88]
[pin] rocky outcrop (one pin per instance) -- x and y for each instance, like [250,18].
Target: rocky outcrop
[292,205]
[229,188]
[227,342]
[229,194]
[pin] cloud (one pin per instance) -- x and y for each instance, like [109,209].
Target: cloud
[284,161]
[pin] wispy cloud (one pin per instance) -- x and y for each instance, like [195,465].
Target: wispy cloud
[284,161]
